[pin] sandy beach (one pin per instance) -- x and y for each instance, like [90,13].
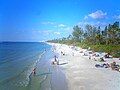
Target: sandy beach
[81,73]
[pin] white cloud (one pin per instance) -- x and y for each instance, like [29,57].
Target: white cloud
[97,15]
[118,10]
[86,17]
[46,32]
[58,33]
[117,17]
[98,23]
[46,23]
[68,28]
[42,32]
[61,25]
[54,24]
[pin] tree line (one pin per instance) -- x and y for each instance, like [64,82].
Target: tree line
[93,35]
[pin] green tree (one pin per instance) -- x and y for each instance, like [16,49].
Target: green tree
[105,35]
[77,33]
[113,31]
[91,32]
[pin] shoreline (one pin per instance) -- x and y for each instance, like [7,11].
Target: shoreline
[81,73]
[52,76]
[58,78]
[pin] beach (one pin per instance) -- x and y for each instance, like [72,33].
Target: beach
[80,71]
[34,69]
[27,66]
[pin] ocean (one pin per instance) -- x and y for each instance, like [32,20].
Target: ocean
[17,61]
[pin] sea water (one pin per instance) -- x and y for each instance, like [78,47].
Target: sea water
[17,61]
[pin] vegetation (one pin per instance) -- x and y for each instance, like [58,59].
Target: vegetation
[105,40]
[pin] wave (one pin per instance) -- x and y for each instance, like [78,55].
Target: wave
[23,78]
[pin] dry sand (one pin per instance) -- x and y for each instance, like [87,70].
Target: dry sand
[81,73]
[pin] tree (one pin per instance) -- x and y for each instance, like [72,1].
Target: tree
[94,35]
[105,35]
[99,39]
[69,37]
[91,32]
[113,31]
[77,33]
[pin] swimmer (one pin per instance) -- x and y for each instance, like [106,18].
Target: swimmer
[34,71]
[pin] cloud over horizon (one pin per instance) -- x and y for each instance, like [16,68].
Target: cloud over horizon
[54,24]
[117,16]
[99,14]
[95,23]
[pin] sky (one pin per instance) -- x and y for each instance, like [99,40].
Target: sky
[41,20]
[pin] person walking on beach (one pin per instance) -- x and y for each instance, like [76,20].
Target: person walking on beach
[61,53]
[56,59]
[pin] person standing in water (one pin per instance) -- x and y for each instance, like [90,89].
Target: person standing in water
[34,71]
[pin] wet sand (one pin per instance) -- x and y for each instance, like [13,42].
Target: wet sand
[58,79]
[48,76]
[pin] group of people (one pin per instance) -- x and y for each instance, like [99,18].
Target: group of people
[113,66]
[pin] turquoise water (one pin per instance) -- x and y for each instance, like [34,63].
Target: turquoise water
[17,61]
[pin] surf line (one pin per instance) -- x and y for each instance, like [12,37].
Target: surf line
[40,56]
[45,78]
[35,64]
[33,71]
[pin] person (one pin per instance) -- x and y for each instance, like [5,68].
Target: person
[107,55]
[56,61]
[114,66]
[106,65]
[89,57]
[102,60]
[34,71]
[45,50]
[55,58]
[61,53]
[98,65]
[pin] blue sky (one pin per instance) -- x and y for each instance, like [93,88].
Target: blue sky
[38,20]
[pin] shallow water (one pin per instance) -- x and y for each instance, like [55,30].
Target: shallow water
[17,61]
